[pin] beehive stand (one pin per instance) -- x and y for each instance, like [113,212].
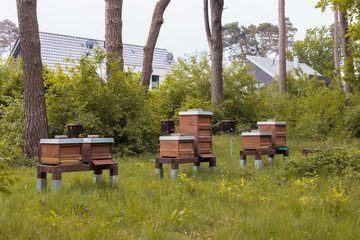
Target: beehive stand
[159,171]
[269,140]
[74,155]
[258,153]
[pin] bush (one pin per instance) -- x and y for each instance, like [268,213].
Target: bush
[336,162]
[117,107]
[188,86]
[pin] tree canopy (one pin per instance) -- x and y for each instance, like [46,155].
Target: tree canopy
[9,32]
[316,50]
[261,40]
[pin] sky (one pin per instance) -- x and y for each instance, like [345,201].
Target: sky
[183,31]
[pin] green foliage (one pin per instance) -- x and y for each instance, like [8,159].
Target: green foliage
[188,86]
[334,162]
[352,10]
[11,108]
[9,33]
[233,203]
[117,107]
[240,41]
[311,109]
[317,50]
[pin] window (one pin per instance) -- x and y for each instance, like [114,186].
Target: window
[154,81]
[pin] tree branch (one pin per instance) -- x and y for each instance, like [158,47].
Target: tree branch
[207,24]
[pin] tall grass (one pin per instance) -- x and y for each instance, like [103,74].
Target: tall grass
[232,203]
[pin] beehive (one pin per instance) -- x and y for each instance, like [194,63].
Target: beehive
[256,140]
[228,126]
[61,151]
[167,126]
[97,149]
[177,146]
[197,123]
[278,130]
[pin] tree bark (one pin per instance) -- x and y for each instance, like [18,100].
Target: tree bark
[214,38]
[113,34]
[349,72]
[156,22]
[282,54]
[36,126]
[336,44]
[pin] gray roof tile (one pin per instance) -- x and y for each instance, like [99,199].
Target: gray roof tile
[55,48]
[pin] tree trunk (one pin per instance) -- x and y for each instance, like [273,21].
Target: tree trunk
[349,72]
[282,54]
[156,22]
[36,126]
[336,44]
[214,38]
[113,34]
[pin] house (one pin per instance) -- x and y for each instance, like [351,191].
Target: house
[265,69]
[55,48]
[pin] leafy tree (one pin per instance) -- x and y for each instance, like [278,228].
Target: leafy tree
[240,40]
[255,40]
[189,86]
[349,14]
[8,35]
[118,108]
[36,125]
[290,33]
[268,36]
[316,50]
[156,22]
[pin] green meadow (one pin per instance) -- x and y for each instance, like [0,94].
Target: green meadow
[313,197]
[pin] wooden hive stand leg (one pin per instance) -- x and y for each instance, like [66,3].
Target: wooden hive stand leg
[258,161]
[271,159]
[56,182]
[97,175]
[212,164]
[41,181]
[242,159]
[175,170]
[113,178]
[285,154]
[159,171]
[196,166]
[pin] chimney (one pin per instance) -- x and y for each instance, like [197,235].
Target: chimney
[296,62]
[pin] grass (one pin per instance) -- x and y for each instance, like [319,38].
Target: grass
[232,203]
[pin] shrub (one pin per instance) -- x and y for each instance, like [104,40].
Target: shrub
[117,107]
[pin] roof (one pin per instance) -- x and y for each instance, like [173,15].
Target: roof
[55,48]
[266,68]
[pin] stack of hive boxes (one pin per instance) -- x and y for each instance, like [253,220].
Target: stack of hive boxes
[270,134]
[195,136]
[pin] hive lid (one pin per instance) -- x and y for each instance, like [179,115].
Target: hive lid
[98,140]
[61,141]
[195,112]
[177,138]
[284,148]
[271,122]
[256,134]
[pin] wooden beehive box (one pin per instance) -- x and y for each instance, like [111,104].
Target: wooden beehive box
[97,149]
[177,146]
[61,151]
[197,123]
[278,130]
[256,140]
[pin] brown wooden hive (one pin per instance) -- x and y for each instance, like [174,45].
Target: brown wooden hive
[177,146]
[278,130]
[197,123]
